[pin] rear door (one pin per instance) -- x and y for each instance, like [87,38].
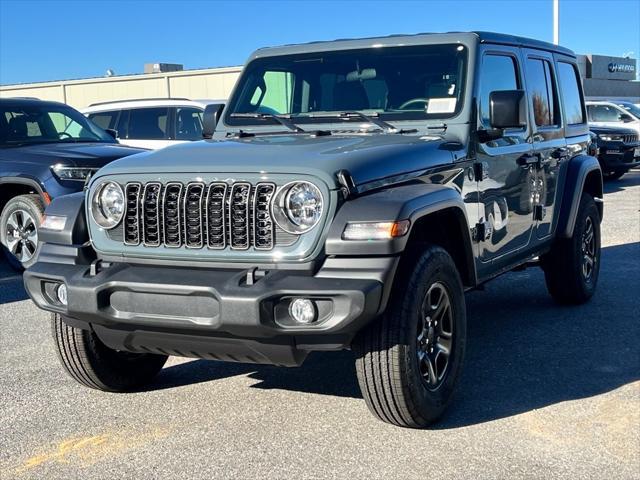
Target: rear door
[549,143]
[503,192]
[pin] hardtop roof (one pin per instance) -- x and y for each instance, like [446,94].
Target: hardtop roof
[412,39]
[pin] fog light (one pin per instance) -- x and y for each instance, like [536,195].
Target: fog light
[302,310]
[61,293]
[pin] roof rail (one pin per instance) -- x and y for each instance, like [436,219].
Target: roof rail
[138,100]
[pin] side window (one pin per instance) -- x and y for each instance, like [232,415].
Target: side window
[104,119]
[499,72]
[148,123]
[188,123]
[603,113]
[542,92]
[568,77]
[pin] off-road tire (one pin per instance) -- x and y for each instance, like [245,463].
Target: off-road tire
[564,263]
[387,364]
[91,363]
[32,203]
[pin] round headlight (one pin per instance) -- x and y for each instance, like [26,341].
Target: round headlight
[298,207]
[107,205]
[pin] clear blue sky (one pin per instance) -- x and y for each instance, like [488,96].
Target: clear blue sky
[54,40]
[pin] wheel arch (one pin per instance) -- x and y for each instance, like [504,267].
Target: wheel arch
[14,186]
[436,214]
[584,175]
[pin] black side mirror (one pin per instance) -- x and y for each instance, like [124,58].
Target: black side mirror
[112,132]
[506,109]
[626,118]
[210,119]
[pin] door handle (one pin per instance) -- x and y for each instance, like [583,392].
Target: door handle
[560,153]
[528,159]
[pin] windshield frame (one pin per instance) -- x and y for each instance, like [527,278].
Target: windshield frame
[337,116]
[46,108]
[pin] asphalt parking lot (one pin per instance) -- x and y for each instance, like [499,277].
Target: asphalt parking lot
[546,391]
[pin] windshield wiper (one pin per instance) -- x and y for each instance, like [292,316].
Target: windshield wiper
[278,118]
[372,118]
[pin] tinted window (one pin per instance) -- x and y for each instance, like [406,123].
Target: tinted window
[44,123]
[499,72]
[413,82]
[568,77]
[148,123]
[104,119]
[188,123]
[542,92]
[603,113]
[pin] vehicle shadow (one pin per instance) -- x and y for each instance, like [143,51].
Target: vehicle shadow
[524,352]
[11,286]
[631,178]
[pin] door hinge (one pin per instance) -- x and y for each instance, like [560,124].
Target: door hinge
[539,212]
[480,171]
[482,231]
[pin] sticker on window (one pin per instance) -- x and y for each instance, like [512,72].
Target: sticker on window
[441,105]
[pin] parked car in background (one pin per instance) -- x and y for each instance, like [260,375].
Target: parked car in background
[612,114]
[153,123]
[618,150]
[47,149]
[632,108]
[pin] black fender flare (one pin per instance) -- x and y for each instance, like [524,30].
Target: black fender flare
[75,231]
[411,202]
[583,174]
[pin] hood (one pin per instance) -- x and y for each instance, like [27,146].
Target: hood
[612,130]
[90,155]
[368,157]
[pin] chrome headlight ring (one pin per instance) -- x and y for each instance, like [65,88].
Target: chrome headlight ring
[107,205]
[297,207]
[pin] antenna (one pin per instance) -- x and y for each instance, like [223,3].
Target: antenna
[109,73]
[556,22]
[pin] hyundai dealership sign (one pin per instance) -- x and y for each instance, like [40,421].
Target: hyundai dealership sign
[622,67]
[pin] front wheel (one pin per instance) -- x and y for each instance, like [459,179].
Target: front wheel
[408,362]
[19,224]
[91,363]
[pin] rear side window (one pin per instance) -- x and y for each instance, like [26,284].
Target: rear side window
[104,119]
[542,92]
[188,123]
[148,123]
[499,72]
[568,77]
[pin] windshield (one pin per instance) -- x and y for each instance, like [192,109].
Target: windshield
[46,123]
[631,108]
[394,83]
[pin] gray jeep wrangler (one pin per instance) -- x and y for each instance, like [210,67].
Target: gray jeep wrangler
[351,193]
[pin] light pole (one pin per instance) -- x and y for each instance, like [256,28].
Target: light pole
[556,21]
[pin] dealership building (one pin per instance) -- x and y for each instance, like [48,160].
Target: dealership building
[603,78]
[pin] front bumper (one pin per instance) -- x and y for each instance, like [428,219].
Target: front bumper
[229,314]
[614,156]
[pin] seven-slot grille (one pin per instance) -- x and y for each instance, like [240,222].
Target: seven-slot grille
[197,215]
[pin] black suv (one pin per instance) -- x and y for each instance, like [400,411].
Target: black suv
[618,150]
[47,149]
[352,192]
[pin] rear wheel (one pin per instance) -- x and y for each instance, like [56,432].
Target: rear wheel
[91,363]
[572,266]
[19,224]
[408,362]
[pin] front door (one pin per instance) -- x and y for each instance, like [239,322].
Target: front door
[504,191]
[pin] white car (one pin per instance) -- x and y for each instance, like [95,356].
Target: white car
[153,123]
[613,114]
